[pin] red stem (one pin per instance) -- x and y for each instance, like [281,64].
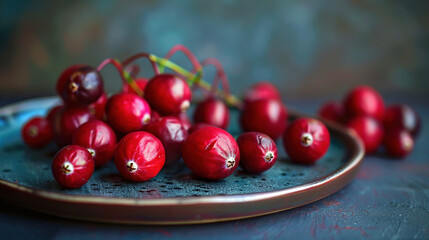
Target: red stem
[185,51]
[219,76]
[133,70]
[141,55]
[117,65]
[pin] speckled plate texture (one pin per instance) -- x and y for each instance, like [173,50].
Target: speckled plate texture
[175,196]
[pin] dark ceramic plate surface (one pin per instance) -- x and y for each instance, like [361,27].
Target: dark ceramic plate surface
[175,196]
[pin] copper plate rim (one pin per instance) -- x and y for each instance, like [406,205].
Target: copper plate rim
[346,173]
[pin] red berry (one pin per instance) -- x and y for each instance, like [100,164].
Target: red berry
[97,108]
[398,143]
[141,83]
[37,132]
[267,116]
[333,111]
[72,166]
[211,153]
[98,138]
[261,90]
[184,119]
[306,140]
[258,152]
[212,111]
[67,122]
[172,134]
[80,85]
[369,130]
[127,112]
[197,126]
[53,113]
[364,101]
[168,94]
[402,117]
[139,156]
[154,115]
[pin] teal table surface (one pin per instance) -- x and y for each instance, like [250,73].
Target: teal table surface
[389,199]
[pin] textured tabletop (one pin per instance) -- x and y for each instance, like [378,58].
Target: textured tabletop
[389,199]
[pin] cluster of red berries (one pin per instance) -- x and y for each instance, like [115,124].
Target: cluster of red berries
[154,129]
[363,110]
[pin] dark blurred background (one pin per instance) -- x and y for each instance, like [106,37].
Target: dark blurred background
[309,49]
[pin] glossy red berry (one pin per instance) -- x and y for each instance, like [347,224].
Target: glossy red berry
[127,112]
[197,126]
[398,143]
[37,132]
[139,156]
[402,117]
[80,85]
[67,122]
[72,166]
[369,130]
[98,138]
[172,134]
[212,111]
[364,101]
[267,116]
[333,111]
[306,140]
[98,107]
[211,153]
[141,83]
[261,90]
[168,94]
[258,152]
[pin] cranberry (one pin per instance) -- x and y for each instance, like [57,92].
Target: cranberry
[333,111]
[306,140]
[211,153]
[72,166]
[213,112]
[197,126]
[266,115]
[80,85]
[67,122]
[183,117]
[141,83]
[53,113]
[261,90]
[154,115]
[258,152]
[127,112]
[98,138]
[402,117]
[139,156]
[398,143]
[364,100]
[37,132]
[168,94]
[172,134]
[369,130]
[97,108]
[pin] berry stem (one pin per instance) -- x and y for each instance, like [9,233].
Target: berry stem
[133,70]
[141,55]
[196,79]
[126,78]
[220,75]
[184,50]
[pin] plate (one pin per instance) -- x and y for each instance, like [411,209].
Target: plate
[175,196]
